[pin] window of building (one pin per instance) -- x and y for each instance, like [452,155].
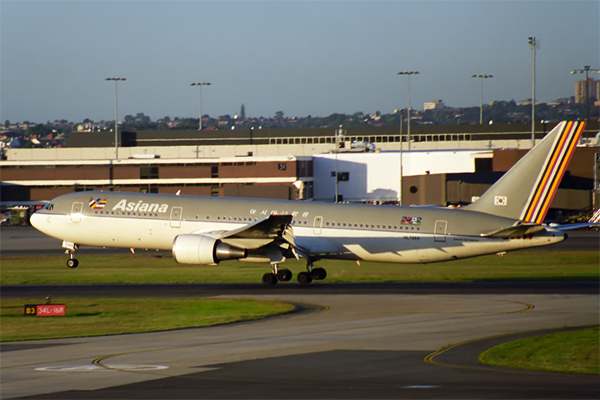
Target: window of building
[148,172]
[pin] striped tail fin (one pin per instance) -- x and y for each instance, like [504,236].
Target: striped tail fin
[554,169]
[526,191]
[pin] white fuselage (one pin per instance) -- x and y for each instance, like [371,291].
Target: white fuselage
[370,233]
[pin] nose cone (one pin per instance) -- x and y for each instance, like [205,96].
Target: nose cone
[36,220]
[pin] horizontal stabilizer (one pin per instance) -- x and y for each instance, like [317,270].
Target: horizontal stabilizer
[571,227]
[516,231]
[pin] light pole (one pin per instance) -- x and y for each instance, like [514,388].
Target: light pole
[400,188]
[585,70]
[482,77]
[200,84]
[116,116]
[408,74]
[338,133]
[535,44]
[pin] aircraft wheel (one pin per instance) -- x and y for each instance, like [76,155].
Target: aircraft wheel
[269,279]
[304,278]
[284,275]
[319,274]
[72,263]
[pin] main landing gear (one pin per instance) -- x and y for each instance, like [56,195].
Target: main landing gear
[285,275]
[271,278]
[71,248]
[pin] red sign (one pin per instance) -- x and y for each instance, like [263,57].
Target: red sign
[46,310]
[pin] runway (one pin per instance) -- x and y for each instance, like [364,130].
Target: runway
[361,346]
[353,341]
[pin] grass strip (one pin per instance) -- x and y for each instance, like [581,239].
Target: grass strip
[572,352]
[100,316]
[149,268]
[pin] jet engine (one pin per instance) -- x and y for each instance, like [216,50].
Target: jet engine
[204,250]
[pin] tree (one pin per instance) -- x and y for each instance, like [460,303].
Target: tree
[40,130]
[140,118]
[279,115]
[243,112]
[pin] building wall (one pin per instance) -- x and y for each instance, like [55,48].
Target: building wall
[581,165]
[260,191]
[37,180]
[424,190]
[376,176]
[593,87]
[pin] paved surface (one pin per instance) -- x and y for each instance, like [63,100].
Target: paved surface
[362,346]
[371,341]
[316,288]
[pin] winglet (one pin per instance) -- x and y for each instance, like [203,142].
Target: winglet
[526,191]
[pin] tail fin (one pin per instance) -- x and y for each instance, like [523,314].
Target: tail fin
[526,191]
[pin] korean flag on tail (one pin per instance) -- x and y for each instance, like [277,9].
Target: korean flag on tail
[500,200]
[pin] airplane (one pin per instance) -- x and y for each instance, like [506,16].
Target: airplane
[206,230]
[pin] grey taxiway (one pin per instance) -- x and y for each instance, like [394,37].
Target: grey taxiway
[418,343]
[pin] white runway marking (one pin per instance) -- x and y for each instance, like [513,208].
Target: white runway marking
[95,368]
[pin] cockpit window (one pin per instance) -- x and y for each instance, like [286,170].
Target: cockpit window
[49,207]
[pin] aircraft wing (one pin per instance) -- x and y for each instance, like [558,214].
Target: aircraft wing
[267,228]
[273,230]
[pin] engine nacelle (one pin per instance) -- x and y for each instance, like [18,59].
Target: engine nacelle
[204,250]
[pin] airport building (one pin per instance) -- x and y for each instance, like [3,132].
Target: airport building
[260,177]
[439,168]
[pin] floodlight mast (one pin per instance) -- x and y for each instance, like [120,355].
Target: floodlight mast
[535,44]
[200,84]
[482,77]
[400,112]
[116,80]
[408,74]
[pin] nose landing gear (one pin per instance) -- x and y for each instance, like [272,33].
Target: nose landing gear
[70,250]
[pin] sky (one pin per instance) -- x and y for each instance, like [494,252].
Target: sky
[300,57]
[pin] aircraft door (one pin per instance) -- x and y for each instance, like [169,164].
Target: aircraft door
[176,217]
[440,231]
[76,210]
[318,225]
